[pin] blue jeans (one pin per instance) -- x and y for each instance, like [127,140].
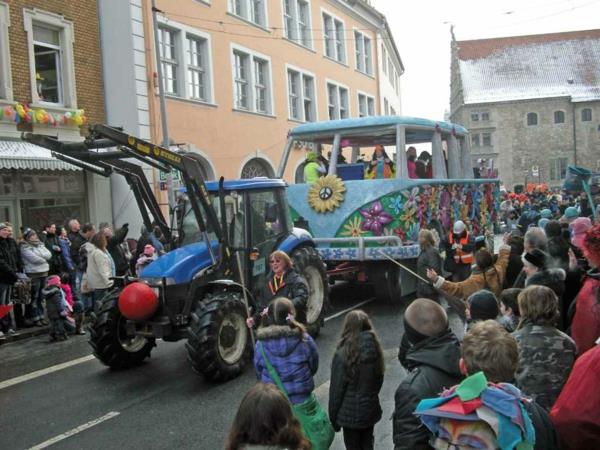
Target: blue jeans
[35,310]
[5,322]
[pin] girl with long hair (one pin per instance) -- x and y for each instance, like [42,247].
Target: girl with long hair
[265,418]
[356,378]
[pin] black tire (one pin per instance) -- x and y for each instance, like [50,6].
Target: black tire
[219,344]
[108,338]
[308,264]
[391,283]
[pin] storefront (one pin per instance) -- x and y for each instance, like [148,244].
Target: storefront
[36,189]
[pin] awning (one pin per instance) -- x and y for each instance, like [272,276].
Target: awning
[26,156]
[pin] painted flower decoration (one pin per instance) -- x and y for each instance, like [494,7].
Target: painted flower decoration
[412,198]
[375,218]
[396,204]
[352,228]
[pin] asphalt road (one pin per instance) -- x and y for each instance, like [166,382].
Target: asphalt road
[161,404]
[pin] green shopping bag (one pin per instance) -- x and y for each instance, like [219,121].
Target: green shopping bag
[313,418]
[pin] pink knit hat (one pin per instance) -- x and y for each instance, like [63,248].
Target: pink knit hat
[578,229]
[53,280]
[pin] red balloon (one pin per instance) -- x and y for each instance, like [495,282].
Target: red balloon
[138,301]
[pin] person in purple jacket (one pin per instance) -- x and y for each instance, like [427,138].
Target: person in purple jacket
[290,350]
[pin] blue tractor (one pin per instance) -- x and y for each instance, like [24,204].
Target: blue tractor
[218,243]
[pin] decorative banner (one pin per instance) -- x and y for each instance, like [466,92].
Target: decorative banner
[23,113]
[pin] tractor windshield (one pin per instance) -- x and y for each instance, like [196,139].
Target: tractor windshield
[189,232]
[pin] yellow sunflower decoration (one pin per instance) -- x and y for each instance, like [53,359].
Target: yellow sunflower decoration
[326,194]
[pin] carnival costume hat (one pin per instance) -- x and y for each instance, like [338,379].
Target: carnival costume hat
[475,400]
[579,228]
[571,212]
[546,213]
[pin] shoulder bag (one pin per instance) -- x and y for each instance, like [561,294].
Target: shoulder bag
[314,420]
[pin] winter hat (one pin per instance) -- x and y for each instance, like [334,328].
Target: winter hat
[3,225]
[553,229]
[459,227]
[28,233]
[542,222]
[571,212]
[536,258]
[148,250]
[500,406]
[546,213]
[578,229]
[483,305]
[53,280]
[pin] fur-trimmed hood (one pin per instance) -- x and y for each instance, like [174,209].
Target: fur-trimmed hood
[280,340]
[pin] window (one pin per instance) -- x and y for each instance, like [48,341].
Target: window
[362,48]
[559,117]
[475,140]
[532,119]
[337,101]
[250,10]
[257,167]
[296,19]
[333,30]
[392,111]
[558,169]
[185,62]
[366,105]
[386,106]
[301,96]
[474,117]
[5,69]
[52,70]
[383,59]
[486,139]
[586,115]
[485,116]
[252,81]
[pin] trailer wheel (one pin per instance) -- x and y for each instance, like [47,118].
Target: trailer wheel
[308,263]
[219,344]
[111,344]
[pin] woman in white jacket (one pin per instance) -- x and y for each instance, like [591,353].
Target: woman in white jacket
[35,258]
[100,267]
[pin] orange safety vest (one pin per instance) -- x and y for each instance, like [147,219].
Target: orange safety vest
[461,257]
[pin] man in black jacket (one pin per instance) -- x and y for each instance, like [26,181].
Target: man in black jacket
[10,265]
[489,348]
[114,241]
[430,352]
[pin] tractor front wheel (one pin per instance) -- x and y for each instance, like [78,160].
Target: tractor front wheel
[219,344]
[108,337]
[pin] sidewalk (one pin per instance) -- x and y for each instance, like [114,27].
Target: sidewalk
[24,333]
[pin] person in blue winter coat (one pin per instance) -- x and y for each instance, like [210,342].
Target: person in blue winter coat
[290,350]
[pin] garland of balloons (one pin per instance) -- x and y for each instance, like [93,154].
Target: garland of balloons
[23,113]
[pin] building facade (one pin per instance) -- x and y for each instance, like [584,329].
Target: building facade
[50,83]
[239,74]
[531,103]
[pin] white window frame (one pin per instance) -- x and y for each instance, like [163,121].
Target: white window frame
[67,59]
[182,32]
[386,106]
[369,101]
[176,62]
[6,91]
[342,59]
[363,60]
[247,12]
[301,97]
[554,164]
[384,59]
[296,32]
[253,56]
[484,136]
[337,103]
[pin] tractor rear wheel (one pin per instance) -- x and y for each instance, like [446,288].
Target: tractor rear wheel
[109,339]
[308,264]
[219,344]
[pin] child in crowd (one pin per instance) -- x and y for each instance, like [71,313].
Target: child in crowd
[57,315]
[74,308]
[356,379]
[148,256]
[482,305]
[509,308]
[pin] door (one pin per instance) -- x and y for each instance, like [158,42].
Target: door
[266,227]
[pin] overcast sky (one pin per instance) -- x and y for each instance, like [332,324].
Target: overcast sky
[421,29]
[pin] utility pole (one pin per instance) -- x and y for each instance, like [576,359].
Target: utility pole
[163,108]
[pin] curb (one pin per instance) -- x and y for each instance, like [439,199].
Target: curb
[24,334]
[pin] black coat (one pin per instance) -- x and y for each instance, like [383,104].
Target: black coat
[77,240]
[428,259]
[558,249]
[545,433]
[515,265]
[10,261]
[354,403]
[294,287]
[433,367]
[116,251]
[53,298]
[53,246]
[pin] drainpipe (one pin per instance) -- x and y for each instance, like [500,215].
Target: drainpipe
[574,136]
